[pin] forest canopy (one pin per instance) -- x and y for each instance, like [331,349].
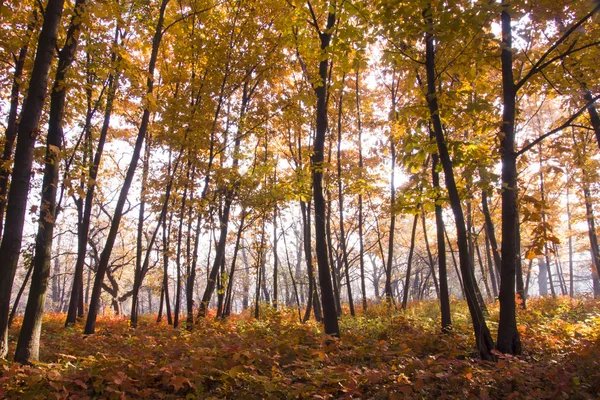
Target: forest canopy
[190,160]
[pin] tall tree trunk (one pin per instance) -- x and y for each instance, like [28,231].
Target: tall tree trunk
[508,335]
[361,247]
[483,337]
[28,346]
[10,134]
[341,199]
[19,188]
[328,299]
[275,259]
[388,270]
[90,325]
[178,254]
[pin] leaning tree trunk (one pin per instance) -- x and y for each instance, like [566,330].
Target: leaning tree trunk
[17,196]
[83,227]
[483,337]
[90,325]
[28,347]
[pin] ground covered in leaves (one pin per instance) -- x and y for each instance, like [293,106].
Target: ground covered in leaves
[381,355]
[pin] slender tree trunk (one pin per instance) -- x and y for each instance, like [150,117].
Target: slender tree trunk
[454,263]
[361,248]
[224,218]
[483,337]
[482,269]
[165,283]
[295,286]
[334,269]
[429,256]
[26,137]
[90,325]
[409,262]
[388,270]
[19,295]
[76,298]
[341,200]
[490,231]
[275,258]
[490,264]
[238,239]
[441,248]
[508,335]
[178,254]
[571,291]
[28,346]
[308,257]
[546,249]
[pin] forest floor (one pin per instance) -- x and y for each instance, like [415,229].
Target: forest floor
[382,354]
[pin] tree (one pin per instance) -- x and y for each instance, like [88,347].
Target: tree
[26,137]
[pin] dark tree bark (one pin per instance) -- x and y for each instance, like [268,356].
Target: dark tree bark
[28,346]
[441,247]
[10,134]
[275,258]
[483,337]
[26,137]
[90,325]
[508,335]
[328,299]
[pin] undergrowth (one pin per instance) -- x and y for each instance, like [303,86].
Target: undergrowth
[382,354]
